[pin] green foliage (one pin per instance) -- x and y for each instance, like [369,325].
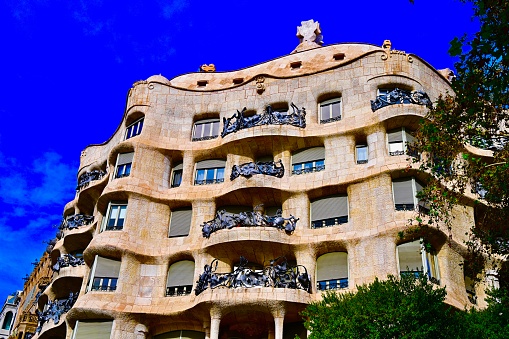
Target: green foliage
[394,308]
[476,114]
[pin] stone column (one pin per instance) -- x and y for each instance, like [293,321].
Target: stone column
[215,321]
[141,331]
[206,328]
[279,318]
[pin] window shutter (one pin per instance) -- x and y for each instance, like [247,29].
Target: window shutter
[210,164]
[204,121]
[180,222]
[181,273]
[178,167]
[395,135]
[331,207]
[107,268]
[332,266]
[93,330]
[125,158]
[403,192]
[307,155]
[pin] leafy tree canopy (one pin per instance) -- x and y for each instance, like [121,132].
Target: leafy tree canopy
[394,308]
[476,114]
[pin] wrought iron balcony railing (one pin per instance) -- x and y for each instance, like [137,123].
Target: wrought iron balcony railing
[209,137]
[85,179]
[209,181]
[54,310]
[329,222]
[332,284]
[308,170]
[75,221]
[399,96]
[177,291]
[272,168]
[104,284]
[67,260]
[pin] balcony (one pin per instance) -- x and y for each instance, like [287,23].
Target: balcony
[399,96]
[85,179]
[75,221]
[67,260]
[53,310]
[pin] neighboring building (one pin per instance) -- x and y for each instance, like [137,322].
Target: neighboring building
[8,313]
[25,321]
[226,202]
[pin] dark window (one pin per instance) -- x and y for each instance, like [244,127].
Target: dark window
[134,129]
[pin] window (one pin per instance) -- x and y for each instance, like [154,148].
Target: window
[329,211]
[176,176]
[209,172]
[405,195]
[92,329]
[361,154]
[206,129]
[308,160]
[124,162]
[104,275]
[7,321]
[470,289]
[332,271]
[398,140]
[330,110]
[115,217]
[180,222]
[134,129]
[414,259]
[180,278]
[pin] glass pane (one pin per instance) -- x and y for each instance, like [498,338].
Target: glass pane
[220,174]
[396,147]
[215,128]
[200,175]
[113,215]
[210,174]
[325,112]
[320,163]
[140,127]
[129,131]
[297,167]
[207,129]
[308,165]
[197,131]
[177,178]
[127,169]
[336,109]
[362,153]
[123,210]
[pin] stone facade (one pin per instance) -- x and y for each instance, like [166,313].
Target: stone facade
[134,202]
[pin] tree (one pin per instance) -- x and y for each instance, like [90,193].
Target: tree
[476,114]
[394,308]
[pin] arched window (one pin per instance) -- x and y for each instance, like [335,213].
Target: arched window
[7,321]
[413,258]
[308,160]
[329,211]
[180,278]
[332,271]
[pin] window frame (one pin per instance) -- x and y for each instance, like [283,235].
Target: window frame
[339,283]
[206,171]
[429,262]
[107,216]
[361,161]
[404,141]
[123,170]
[330,103]
[417,204]
[92,278]
[177,170]
[202,136]
[180,290]
[137,126]
[327,222]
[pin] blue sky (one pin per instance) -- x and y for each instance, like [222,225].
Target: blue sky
[66,68]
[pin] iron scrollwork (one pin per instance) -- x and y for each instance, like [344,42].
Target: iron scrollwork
[67,260]
[279,274]
[399,96]
[227,220]
[268,117]
[85,179]
[275,169]
[54,310]
[75,221]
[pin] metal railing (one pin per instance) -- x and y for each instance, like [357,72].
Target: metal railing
[177,291]
[332,284]
[329,222]
[308,170]
[208,181]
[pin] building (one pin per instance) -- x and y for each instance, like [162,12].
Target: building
[8,313]
[25,321]
[224,203]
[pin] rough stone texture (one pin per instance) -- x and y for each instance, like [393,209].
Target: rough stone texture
[139,306]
